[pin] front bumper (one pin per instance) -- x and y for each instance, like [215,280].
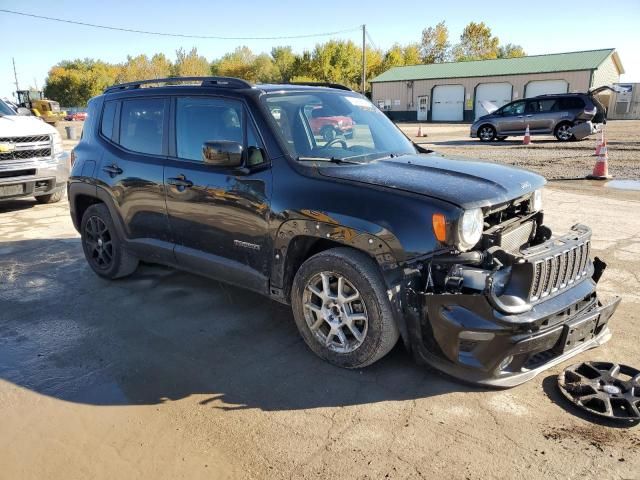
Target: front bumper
[471,337]
[33,177]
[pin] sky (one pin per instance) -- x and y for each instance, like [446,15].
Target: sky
[539,26]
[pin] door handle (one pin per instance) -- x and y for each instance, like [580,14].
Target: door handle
[180,181]
[112,169]
[529,116]
[520,116]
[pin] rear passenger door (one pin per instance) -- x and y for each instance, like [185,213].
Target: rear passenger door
[134,132]
[218,216]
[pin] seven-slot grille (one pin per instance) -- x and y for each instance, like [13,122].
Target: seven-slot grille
[556,272]
[21,148]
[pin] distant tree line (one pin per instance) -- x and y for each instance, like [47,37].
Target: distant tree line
[73,83]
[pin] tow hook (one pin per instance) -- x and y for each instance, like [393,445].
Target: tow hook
[598,268]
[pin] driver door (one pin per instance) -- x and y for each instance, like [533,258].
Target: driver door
[512,118]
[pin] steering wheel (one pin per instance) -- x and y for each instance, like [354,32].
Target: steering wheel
[339,140]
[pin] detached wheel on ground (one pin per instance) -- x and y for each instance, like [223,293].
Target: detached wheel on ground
[563,132]
[102,248]
[50,198]
[486,133]
[341,308]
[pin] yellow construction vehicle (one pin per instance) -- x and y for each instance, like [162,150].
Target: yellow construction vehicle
[34,100]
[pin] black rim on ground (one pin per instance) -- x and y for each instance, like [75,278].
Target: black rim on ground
[603,388]
[98,242]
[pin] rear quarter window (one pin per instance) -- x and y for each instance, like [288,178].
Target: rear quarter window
[108,119]
[570,103]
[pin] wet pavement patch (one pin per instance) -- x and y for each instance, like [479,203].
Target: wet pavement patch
[624,184]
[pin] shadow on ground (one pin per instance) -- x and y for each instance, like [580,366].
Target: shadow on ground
[163,334]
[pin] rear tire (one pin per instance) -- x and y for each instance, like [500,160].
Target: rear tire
[342,310]
[102,247]
[563,132]
[51,197]
[486,133]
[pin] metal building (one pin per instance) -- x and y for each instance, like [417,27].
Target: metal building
[453,92]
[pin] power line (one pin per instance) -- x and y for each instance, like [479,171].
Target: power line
[371,41]
[181,35]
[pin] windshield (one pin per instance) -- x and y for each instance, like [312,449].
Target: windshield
[335,126]
[5,109]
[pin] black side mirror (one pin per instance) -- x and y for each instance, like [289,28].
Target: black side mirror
[23,111]
[222,153]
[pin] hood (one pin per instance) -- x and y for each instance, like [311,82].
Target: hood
[19,125]
[464,183]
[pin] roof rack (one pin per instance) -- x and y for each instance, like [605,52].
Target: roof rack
[228,82]
[321,84]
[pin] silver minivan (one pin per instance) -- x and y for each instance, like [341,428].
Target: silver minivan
[558,115]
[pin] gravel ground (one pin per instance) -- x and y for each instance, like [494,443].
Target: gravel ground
[546,156]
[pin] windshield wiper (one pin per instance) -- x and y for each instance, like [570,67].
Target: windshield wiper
[325,159]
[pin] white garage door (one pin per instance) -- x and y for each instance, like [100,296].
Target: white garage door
[498,94]
[544,87]
[448,103]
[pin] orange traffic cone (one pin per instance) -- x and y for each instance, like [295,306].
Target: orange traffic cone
[600,143]
[527,136]
[420,130]
[601,168]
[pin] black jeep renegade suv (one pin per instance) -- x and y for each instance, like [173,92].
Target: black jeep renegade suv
[368,236]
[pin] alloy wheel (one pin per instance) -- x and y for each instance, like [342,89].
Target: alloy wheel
[564,132]
[98,242]
[486,133]
[335,312]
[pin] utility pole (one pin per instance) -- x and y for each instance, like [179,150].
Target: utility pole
[15,75]
[364,59]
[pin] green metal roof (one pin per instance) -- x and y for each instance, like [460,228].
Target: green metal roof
[554,62]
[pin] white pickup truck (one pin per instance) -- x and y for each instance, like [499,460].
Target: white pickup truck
[32,161]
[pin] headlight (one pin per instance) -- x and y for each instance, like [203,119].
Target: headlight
[470,228]
[536,201]
[56,141]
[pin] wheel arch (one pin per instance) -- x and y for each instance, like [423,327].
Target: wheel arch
[83,195]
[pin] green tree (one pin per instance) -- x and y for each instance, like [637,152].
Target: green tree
[190,64]
[511,51]
[411,54]
[73,83]
[337,61]
[435,46]
[239,63]
[142,67]
[284,63]
[476,43]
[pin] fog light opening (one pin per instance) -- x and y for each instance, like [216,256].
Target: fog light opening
[506,362]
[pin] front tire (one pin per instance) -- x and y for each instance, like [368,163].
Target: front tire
[342,310]
[102,247]
[486,133]
[51,197]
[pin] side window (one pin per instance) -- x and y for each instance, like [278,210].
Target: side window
[516,108]
[108,119]
[200,119]
[141,123]
[255,148]
[533,106]
[547,105]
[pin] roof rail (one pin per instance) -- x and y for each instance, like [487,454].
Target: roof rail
[228,82]
[339,86]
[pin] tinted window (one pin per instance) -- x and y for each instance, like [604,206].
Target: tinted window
[141,123]
[516,108]
[570,103]
[108,117]
[199,120]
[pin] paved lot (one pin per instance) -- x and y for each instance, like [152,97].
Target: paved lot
[169,375]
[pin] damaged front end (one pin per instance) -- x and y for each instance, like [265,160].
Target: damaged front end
[518,304]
